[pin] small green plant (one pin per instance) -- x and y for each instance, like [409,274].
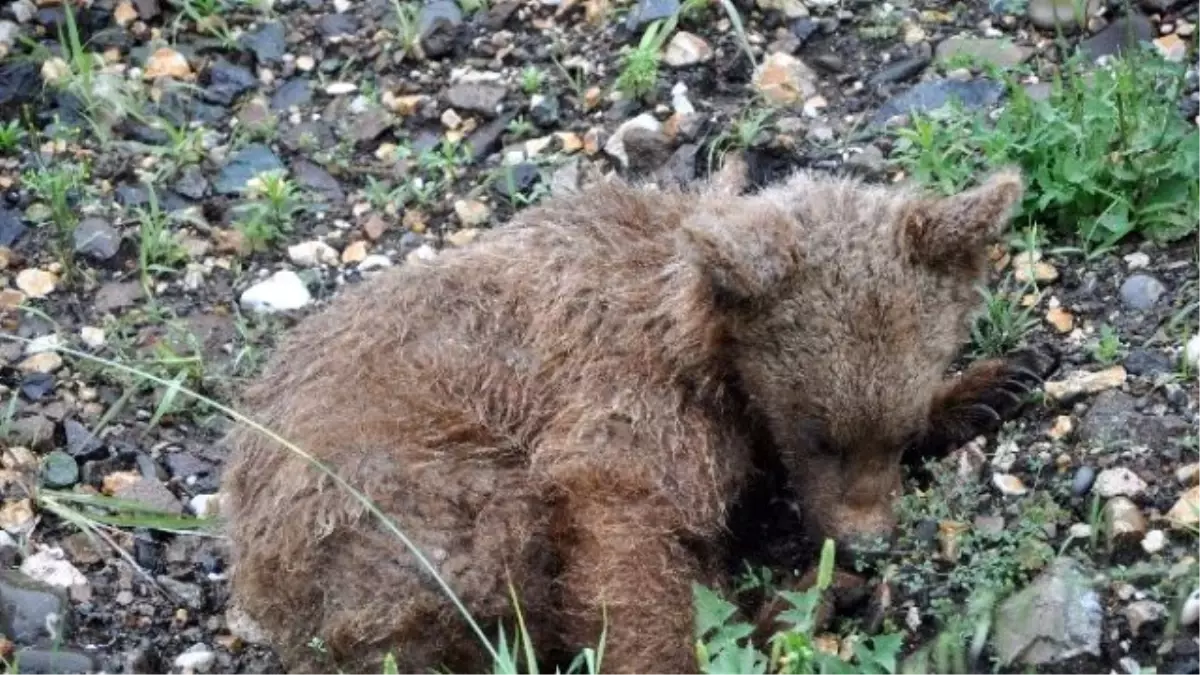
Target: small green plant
[532,79]
[60,187]
[445,160]
[520,127]
[1002,324]
[11,135]
[470,7]
[639,70]
[1105,156]
[273,203]
[383,197]
[408,29]
[159,249]
[1108,347]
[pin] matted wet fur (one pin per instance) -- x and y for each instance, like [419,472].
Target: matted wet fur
[575,401]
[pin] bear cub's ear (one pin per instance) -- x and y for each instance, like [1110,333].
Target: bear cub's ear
[742,252]
[955,230]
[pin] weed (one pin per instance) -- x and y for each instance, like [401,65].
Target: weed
[383,197]
[1106,155]
[639,71]
[504,176]
[1108,348]
[11,135]
[470,7]
[520,127]
[532,79]
[60,186]
[273,203]
[1002,324]
[445,160]
[742,133]
[159,249]
[408,28]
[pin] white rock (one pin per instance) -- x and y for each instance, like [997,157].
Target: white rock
[1118,481]
[422,252]
[339,88]
[36,283]
[92,336]
[51,567]
[1154,541]
[686,49]
[1191,351]
[1137,260]
[205,505]
[373,262]
[197,659]
[280,292]
[45,343]
[1006,455]
[1082,382]
[615,146]
[1191,609]
[312,253]
[1009,484]
[241,625]
[1080,531]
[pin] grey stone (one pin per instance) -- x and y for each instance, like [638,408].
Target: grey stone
[646,150]
[1141,292]
[649,11]
[59,470]
[905,69]
[246,164]
[486,139]
[115,295]
[1064,14]
[227,81]
[54,661]
[1002,53]
[190,594]
[34,432]
[28,607]
[81,443]
[96,239]
[192,183]
[337,25]
[11,227]
[438,24]
[869,162]
[315,178]
[1082,481]
[477,97]
[151,493]
[267,43]
[295,92]
[1057,617]
[934,94]
[370,124]
[308,137]
[1118,36]
[1147,362]
[680,168]
[1142,613]
[544,111]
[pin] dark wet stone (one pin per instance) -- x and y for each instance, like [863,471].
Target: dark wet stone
[59,470]
[371,124]
[37,386]
[803,28]
[11,227]
[185,464]
[96,239]
[478,97]
[926,531]
[486,139]
[1082,481]
[545,112]
[1140,292]
[517,180]
[438,24]
[308,137]
[830,63]
[649,11]
[146,551]
[246,164]
[54,661]
[646,150]
[181,109]
[131,196]
[1118,36]
[19,82]
[267,43]
[904,69]
[337,25]
[295,92]
[927,96]
[147,9]
[192,183]
[26,605]
[151,493]
[680,169]
[313,177]
[498,14]
[1147,362]
[191,595]
[81,442]
[227,81]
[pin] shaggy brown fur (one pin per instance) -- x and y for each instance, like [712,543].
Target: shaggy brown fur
[572,403]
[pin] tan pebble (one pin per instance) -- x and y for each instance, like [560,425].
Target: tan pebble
[42,362]
[354,252]
[36,283]
[1041,271]
[18,457]
[11,298]
[1185,514]
[414,221]
[950,534]
[374,227]
[16,516]
[462,237]
[1083,382]
[1188,474]
[124,14]
[1062,320]
[570,142]
[1172,47]
[592,98]
[591,141]
[1062,427]
[471,212]
[118,481]
[1009,484]
[451,119]
[166,62]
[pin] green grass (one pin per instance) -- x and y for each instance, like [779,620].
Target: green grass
[11,135]
[1002,323]
[269,213]
[639,66]
[1107,349]
[408,29]
[532,79]
[1106,156]
[159,248]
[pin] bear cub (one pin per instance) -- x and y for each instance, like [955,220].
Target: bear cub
[568,409]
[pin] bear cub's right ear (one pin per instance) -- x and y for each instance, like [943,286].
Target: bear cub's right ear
[743,252]
[956,229]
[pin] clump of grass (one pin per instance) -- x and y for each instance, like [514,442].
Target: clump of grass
[532,79]
[1107,155]
[159,248]
[1108,347]
[408,29]
[639,70]
[1003,323]
[273,203]
[11,135]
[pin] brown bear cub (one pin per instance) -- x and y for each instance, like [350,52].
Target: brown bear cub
[570,406]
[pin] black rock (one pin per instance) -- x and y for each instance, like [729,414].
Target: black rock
[315,178]
[518,179]
[19,82]
[11,227]
[1147,362]
[37,386]
[926,531]
[96,239]
[438,24]
[27,607]
[81,443]
[267,43]
[295,92]
[227,81]
[246,164]
[545,112]
[899,71]
[337,25]
[1082,481]
[486,139]
[181,109]
[192,183]
[146,551]
[649,11]
[803,29]
[1119,36]
[680,169]
[934,94]
[184,464]
[498,14]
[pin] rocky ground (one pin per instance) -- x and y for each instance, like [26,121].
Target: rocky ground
[404,129]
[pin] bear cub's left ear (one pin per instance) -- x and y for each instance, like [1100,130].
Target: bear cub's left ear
[956,229]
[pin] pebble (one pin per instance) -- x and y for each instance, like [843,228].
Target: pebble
[1062,320]
[1041,271]
[96,239]
[205,505]
[478,97]
[687,49]
[199,658]
[373,262]
[92,336]
[1080,382]
[1080,531]
[1141,292]
[312,253]
[282,291]
[1189,474]
[783,79]
[354,253]
[16,516]
[1124,522]
[1009,484]
[1119,482]
[166,62]
[50,566]
[1172,47]
[32,610]
[999,52]
[36,283]
[149,492]
[1049,14]
[1185,514]
[1154,541]
[42,362]
[1190,612]
[1191,352]
[471,213]
[615,145]
[59,470]
[1137,260]
[1142,612]
[1082,482]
